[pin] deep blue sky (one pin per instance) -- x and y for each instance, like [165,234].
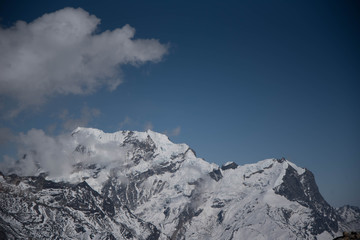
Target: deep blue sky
[244,80]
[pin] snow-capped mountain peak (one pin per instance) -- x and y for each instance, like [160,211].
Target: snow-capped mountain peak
[144,177]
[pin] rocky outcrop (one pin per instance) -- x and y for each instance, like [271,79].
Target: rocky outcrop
[303,189]
[349,236]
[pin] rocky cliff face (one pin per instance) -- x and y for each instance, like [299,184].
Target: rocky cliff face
[303,190]
[139,185]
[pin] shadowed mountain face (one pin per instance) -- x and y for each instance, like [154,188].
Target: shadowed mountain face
[140,185]
[303,190]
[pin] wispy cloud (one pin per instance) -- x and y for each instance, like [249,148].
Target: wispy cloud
[148,126]
[6,135]
[127,120]
[174,132]
[70,122]
[60,53]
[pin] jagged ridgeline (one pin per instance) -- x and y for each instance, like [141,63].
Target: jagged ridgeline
[140,185]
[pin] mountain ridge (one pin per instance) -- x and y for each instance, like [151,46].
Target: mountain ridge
[165,185]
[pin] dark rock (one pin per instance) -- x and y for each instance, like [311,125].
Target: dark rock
[260,171]
[216,174]
[191,150]
[79,228]
[167,212]
[349,236]
[303,189]
[220,217]
[197,213]
[3,235]
[80,148]
[108,207]
[218,204]
[231,165]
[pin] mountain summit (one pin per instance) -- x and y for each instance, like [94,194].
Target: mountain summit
[140,185]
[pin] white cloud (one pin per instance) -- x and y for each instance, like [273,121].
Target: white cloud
[42,151]
[56,155]
[60,53]
[38,152]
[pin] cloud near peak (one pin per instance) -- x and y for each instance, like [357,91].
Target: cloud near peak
[60,53]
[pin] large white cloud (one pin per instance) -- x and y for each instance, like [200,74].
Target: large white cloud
[61,53]
[38,151]
[56,155]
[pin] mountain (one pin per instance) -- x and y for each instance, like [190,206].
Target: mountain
[350,218]
[34,208]
[140,185]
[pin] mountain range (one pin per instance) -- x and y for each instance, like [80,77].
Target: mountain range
[140,185]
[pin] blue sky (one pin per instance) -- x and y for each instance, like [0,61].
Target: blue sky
[240,81]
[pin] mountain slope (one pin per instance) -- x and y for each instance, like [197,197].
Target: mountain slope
[144,186]
[32,207]
[350,218]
